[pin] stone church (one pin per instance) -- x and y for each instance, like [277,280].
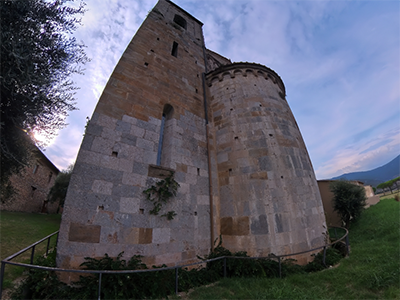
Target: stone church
[225,130]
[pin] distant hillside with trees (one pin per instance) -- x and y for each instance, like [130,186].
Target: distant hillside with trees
[392,185]
[376,176]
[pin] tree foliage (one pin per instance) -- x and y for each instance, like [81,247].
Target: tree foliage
[382,186]
[58,191]
[389,184]
[348,200]
[160,193]
[38,57]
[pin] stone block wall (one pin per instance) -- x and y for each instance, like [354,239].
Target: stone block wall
[106,210]
[269,200]
[234,147]
[32,186]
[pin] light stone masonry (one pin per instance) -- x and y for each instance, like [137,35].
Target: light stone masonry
[238,146]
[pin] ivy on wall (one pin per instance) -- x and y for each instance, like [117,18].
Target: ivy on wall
[160,193]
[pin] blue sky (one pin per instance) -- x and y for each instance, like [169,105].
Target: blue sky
[339,60]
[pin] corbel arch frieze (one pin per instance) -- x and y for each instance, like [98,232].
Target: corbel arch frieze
[245,70]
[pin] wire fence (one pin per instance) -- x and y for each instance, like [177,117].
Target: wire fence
[279,258]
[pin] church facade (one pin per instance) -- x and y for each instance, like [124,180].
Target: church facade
[225,131]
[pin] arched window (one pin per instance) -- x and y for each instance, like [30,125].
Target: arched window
[180,21]
[165,144]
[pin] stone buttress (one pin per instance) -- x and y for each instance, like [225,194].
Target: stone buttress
[160,73]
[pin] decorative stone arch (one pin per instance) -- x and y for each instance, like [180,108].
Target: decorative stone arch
[261,73]
[244,68]
[213,79]
[227,73]
[272,78]
[237,72]
[250,71]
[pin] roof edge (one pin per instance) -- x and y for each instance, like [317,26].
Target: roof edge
[243,65]
[197,20]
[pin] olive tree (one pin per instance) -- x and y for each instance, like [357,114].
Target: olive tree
[38,57]
[348,200]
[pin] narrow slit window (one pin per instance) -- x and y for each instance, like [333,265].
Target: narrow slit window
[35,169]
[165,140]
[33,191]
[161,140]
[174,51]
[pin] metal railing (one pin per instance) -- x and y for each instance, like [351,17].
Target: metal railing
[101,272]
[32,247]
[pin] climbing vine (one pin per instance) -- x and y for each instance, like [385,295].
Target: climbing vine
[160,193]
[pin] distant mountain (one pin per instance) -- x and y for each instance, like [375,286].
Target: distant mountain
[375,176]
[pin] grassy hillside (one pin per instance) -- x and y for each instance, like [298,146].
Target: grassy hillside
[371,272]
[19,230]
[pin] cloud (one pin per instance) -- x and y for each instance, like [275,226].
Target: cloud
[108,27]
[368,155]
[65,147]
[339,61]
[377,145]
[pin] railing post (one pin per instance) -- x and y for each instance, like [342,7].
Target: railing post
[347,245]
[176,281]
[3,266]
[280,267]
[58,233]
[99,291]
[224,267]
[48,245]
[32,254]
[324,256]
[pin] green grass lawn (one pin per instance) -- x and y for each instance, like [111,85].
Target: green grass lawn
[371,272]
[19,230]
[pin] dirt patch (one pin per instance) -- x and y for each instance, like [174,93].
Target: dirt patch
[184,295]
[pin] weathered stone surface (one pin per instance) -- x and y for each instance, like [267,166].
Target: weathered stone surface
[235,226]
[129,205]
[260,225]
[145,235]
[84,233]
[267,163]
[102,187]
[161,235]
[159,171]
[247,155]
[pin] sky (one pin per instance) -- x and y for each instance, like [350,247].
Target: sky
[339,61]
